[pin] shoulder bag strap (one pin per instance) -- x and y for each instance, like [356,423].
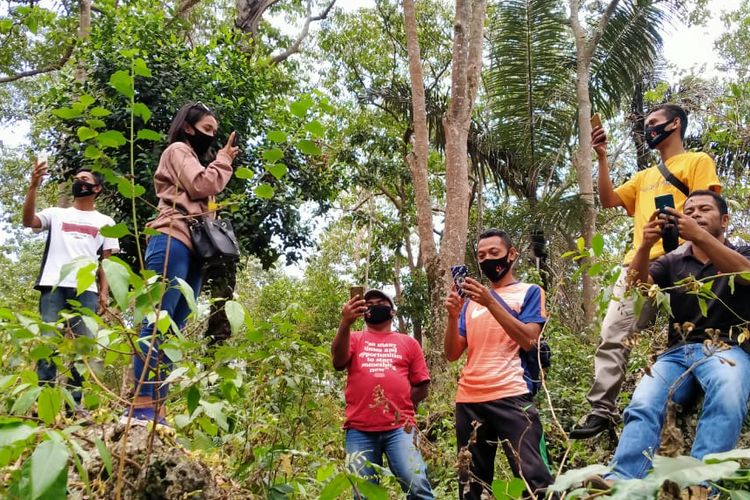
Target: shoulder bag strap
[670,177]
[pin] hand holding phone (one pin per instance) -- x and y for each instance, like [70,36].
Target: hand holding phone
[670,234]
[459,274]
[596,121]
[356,291]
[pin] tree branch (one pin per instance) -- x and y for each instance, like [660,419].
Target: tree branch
[184,7]
[601,26]
[45,69]
[295,47]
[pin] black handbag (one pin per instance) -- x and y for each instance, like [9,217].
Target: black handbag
[213,238]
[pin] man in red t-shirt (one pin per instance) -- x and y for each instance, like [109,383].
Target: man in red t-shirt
[386,378]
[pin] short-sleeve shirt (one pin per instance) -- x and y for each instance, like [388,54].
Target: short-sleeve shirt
[493,367]
[382,369]
[72,234]
[695,170]
[680,264]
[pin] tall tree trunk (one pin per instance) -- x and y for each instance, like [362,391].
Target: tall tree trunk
[585,47]
[468,29]
[84,30]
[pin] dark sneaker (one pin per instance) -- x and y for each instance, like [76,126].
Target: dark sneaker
[590,426]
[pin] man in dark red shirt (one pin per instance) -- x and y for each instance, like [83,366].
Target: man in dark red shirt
[386,378]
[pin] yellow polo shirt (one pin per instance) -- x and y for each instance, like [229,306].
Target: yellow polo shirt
[696,170]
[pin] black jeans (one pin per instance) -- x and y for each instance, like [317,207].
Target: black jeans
[512,421]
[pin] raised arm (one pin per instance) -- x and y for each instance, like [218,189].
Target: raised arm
[607,196]
[353,309]
[453,344]
[29,217]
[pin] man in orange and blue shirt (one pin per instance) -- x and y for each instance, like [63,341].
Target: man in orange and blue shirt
[493,402]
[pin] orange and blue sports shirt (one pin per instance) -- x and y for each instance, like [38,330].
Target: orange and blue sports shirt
[493,367]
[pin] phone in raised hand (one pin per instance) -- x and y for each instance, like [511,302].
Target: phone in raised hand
[357,291]
[596,121]
[459,274]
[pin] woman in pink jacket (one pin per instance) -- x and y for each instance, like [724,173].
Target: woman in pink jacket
[185,188]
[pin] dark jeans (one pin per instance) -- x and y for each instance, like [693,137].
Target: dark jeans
[181,264]
[512,421]
[51,303]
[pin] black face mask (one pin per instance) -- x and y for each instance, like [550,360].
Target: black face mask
[656,134]
[200,142]
[82,188]
[495,269]
[377,314]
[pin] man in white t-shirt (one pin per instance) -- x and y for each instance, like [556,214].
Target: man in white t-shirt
[73,235]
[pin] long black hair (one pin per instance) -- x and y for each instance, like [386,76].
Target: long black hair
[191,113]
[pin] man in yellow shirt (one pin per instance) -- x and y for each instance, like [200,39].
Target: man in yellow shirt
[665,127]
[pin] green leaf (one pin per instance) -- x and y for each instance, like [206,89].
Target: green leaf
[85,277]
[574,476]
[48,404]
[508,490]
[686,471]
[277,136]
[273,155]
[128,53]
[316,129]
[23,403]
[216,412]
[49,471]
[117,231]
[278,170]
[86,100]
[308,147]
[324,472]
[264,191]
[703,306]
[66,113]
[188,293]
[5,25]
[85,133]
[235,314]
[299,108]
[371,491]
[140,68]
[95,123]
[581,245]
[92,152]
[147,134]
[335,487]
[118,277]
[142,111]
[41,352]
[739,495]
[15,431]
[243,173]
[99,112]
[129,190]
[736,454]
[193,398]
[597,244]
[111,139]
[122,82]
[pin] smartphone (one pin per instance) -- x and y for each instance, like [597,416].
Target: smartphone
[663,201]
[236,140]
[596,121]
[41,158]
[355,291]
[459,274]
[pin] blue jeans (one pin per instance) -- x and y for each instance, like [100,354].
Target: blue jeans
[51,303]
[726,389]
[404,459]
[181,264]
